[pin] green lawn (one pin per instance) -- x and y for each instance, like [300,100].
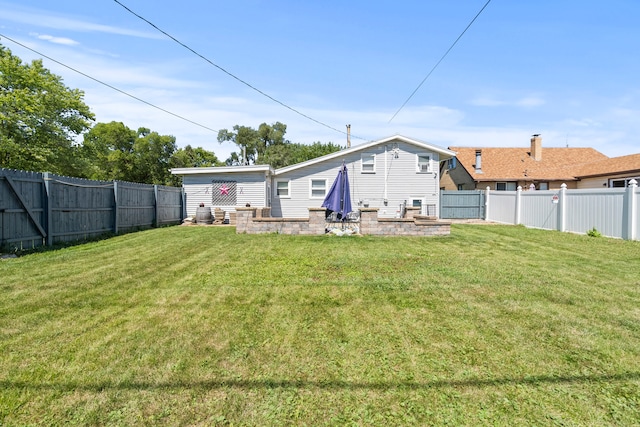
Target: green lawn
[493,325]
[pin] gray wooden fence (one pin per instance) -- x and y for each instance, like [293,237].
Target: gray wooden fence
[462,204]
[42,209]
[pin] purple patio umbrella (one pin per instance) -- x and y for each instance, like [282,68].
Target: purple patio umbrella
[338,198]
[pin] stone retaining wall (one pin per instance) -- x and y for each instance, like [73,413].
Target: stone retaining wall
[248,221]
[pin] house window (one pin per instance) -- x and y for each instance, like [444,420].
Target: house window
[451,163]
[543,186]
[505,186]
[423,163]
[318,188]
[621,183]
[460,187]
[368,164]
[282,189]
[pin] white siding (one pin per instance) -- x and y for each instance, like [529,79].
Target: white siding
[403,182]
[599,182]
[250,188]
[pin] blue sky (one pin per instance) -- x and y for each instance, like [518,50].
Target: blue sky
[569,70]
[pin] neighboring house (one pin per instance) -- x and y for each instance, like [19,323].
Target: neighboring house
[509,168]
[385,174]
[613,172]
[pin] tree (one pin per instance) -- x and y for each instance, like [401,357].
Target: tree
[267,145]
[152,154]
[286,154]
[113,151]
[116,152]
[253,143]
[189,157]
[246,138]
[39,118]
[109,151]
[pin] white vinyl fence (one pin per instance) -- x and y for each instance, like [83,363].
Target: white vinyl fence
[614,212]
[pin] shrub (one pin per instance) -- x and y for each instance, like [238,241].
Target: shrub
[594,233]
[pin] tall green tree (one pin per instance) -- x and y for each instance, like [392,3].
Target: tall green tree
[289,153]
[267,145]
[153,154]
[109,151]
[113,151]
[40,118]
[252,143]
[189,157]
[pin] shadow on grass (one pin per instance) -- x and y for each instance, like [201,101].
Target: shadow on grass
[319,384]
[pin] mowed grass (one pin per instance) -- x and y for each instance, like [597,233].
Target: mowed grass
[493,325]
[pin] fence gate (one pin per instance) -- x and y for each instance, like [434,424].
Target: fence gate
[462,204]
[22,209]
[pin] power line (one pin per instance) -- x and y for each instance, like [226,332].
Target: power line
[229,73]
[441,59]
[108,85]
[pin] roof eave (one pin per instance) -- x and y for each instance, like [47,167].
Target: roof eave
[221,169]
[599,174]
[443,152]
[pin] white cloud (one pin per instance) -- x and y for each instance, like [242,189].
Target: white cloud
[525,102]
[530,101]
[57,40]
[46,19]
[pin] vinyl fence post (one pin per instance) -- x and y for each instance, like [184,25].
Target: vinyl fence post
[518,204]
[486,203]
[115,207]
[46,176]
[632,213]
[562,208]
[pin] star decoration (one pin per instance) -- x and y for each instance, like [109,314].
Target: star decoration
[224,190]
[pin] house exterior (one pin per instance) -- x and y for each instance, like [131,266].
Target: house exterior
[510,168]
[387,174]
[614,172]
[226,187]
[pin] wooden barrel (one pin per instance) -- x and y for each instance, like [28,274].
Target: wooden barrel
[203,215]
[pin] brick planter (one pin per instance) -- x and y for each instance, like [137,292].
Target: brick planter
[249,221]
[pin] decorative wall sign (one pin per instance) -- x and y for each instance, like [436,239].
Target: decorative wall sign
[223,193]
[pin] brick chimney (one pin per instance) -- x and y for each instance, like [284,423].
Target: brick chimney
[536,147]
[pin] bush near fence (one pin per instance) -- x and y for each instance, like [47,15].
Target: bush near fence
[44,209]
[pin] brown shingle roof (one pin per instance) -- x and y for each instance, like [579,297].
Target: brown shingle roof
[511,164]
[622,164]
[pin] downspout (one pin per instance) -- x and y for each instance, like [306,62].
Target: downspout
[386,172]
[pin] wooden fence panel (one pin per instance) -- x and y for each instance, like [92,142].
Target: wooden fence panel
[80,208]
[43,209]
[458,204]
[169,205]
[136,206]
[22,210]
